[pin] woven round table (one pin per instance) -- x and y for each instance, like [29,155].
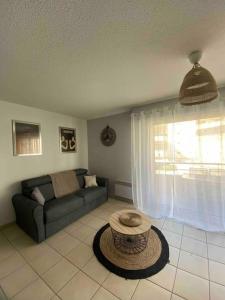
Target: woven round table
[130,239]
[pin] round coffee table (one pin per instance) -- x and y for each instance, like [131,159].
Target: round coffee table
[127,239]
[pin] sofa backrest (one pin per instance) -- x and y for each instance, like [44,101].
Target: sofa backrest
[44,183]
[80,176]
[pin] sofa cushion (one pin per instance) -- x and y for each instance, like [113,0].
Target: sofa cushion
[92,193]
[80,179]
[81,171]
[60,207]
[80,176]
[44,184]
[47,191]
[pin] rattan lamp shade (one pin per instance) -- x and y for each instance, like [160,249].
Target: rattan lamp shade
[198,85]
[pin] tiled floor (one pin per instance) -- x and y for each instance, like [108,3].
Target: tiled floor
[64,267]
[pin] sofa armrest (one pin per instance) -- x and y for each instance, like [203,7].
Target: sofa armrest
[29,216]
[102,181]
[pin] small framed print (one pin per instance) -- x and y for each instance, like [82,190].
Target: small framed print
[26,138]
[68,141]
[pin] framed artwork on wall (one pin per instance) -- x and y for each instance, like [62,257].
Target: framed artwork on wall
[68,141]
[26,138]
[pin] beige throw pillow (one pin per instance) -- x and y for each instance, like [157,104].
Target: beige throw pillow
[90,181]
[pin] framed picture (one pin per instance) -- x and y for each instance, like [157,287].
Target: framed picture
[68,141]
[26,138]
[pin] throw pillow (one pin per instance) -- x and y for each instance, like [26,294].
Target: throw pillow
[37,196]
[90,181]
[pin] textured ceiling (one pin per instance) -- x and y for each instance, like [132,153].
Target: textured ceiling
[89,58]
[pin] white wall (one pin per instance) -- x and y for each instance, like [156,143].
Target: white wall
[113,162]
[13,169]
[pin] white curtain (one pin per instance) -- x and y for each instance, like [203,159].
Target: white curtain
[178,163]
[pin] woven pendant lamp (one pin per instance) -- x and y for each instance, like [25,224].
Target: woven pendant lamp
[198,85]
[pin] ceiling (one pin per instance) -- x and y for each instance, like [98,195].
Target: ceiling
[90,58]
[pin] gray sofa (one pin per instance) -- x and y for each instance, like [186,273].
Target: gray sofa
[39,221]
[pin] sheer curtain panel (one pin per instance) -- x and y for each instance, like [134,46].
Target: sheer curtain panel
[178,163]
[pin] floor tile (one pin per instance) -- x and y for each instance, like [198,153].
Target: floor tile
[147,290]
[216,253]
[175,297]
[217,292]
[13,231]
[23,241]
[103,294]
[174,255]
[45,261]
[173,239]
[63,243]
[38,290]
[89,240]
[5,248]
[107,215]
[100,213]
[111,203]
[217,239]
[114,208]
[82,232]
[33,251]
[80,255]
[191,287]
[72,227]
[55,297]
[2,295]
[59,274]
[96,222]
[194,246]
[81,287]
[165,278]
[18,280]
[217,272]
[96,270]
[2,235]
[194,233]
[157,222]
[11,264]
[62,276]
[86,219]
[194,264]
[120,287]
[173,226]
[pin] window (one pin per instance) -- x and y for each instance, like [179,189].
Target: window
[191,149]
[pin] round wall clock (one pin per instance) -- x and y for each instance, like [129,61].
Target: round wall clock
[108,136]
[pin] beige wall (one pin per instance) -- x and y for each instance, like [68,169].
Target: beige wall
[13,169]
[113,162]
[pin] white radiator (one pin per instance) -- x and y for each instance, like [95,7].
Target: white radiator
[123,189]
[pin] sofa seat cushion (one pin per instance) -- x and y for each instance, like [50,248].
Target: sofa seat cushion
[92,193]
[60,207]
